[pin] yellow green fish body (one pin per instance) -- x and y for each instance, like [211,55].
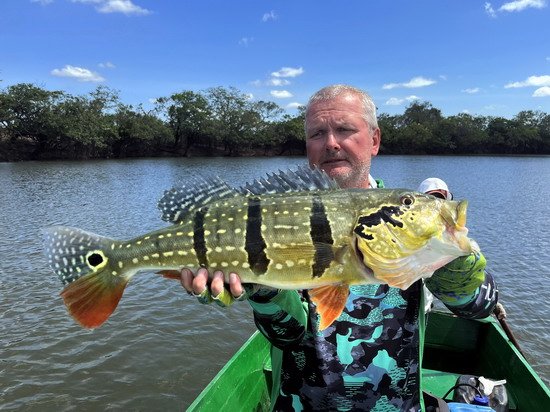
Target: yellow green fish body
[294,230]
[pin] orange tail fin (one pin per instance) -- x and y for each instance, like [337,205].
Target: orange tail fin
[92,298]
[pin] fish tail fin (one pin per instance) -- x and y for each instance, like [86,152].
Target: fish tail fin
[81,261]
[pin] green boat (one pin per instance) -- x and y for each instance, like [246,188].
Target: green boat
[452,347]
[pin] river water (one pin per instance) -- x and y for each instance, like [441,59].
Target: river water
[160,348]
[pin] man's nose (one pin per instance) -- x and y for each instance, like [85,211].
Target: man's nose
[332,142]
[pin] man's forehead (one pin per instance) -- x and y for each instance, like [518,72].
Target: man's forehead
[339,106]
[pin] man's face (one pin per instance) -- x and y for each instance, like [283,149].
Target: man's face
[339,140]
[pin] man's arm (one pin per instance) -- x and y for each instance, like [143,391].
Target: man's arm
[280,315]
[465,287]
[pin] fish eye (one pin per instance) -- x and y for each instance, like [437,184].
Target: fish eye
[407,200]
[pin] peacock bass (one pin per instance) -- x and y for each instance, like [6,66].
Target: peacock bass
[290,230]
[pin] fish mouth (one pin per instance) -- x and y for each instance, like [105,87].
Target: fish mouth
[454,216]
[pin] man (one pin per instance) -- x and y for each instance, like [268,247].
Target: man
[368,359]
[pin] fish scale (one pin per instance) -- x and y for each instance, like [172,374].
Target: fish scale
[292,230]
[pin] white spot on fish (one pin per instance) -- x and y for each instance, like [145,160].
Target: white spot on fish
[235,262]
[221,231]
[120,264]
[168,254]
[218,249]
[278,266]
[155,255]
[230,248]
[114,273]
[145,257]
[246,265]
[289,263]
[182,253]
[238,230]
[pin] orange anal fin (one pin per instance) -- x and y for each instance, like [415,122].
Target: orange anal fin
[170,274]
[93,298]
[330,302]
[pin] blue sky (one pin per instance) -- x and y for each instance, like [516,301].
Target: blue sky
[487,58]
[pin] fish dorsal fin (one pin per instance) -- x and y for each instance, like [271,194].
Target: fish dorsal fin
[179,201]
[330,302]
[302,179]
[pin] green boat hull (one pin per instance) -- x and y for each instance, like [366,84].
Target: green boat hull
[453,347]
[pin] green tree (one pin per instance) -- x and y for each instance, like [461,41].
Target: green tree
[233,121]
[189,118]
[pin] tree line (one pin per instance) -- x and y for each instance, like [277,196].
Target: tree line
[39,124]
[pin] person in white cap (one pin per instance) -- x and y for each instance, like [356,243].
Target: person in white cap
[436,187]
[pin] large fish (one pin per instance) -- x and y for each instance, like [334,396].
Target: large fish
[291,230]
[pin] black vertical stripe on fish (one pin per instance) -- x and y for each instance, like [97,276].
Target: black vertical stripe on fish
[199,243]
[254,242]
[321,236]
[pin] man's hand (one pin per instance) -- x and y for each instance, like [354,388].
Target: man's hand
[207,291]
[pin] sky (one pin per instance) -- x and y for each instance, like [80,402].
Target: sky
[478,57]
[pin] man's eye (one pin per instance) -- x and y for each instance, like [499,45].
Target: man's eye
[344,129]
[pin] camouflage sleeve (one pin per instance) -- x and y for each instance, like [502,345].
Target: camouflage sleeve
[280,315]
[465,287]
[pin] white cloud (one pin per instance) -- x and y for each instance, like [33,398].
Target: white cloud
[288,72]
[465,111]
[107,65]
[548,59]
[534,81]
[42,2]
[245,41]
[395,101]
[472,90]
[78,73]
[519,5]
[443,76]
[490,11]
[269,16]
[256,83]
[411,84]
[281,94]
[542,92]
[115,6]
[294,105]
[278,82]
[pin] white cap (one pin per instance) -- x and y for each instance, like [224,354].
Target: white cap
[433,183]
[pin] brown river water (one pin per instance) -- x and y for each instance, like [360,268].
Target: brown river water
[161,347]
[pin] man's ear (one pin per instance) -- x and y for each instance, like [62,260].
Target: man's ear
[376,134]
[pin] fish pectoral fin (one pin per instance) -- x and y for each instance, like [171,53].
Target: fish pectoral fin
[93,298]
[330,302]
[170,274]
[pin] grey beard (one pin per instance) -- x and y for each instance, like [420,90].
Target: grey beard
[357,177]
